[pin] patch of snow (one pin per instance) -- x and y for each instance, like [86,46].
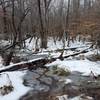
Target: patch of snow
[67,81]
[63,97]
[80,98]
[4,42]
[83,66]
[31,45]
[4,80]
[76,98]
[52,46]
[1,61]
[17,83]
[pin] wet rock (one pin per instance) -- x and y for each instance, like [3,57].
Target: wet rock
[5,84]
[6,89]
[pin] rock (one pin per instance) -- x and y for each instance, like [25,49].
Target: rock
[5,90]
[5,84]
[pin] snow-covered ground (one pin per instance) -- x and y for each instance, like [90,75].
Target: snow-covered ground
[16,79]
[84,66]
[65,97]
[51,46]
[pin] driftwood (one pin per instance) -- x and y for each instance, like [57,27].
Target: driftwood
[30,65]
[39,63]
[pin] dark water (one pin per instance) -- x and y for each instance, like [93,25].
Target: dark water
[46,86]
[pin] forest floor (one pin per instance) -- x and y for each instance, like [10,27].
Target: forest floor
[74,78]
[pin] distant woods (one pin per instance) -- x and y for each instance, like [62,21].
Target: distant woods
[44,18]
[40,19]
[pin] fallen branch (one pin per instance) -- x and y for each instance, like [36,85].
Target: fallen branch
[38,63]
[23,65]
[57,50]
[72,48]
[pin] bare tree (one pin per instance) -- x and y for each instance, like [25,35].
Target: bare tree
[4,4]
[10,50]
[43,29]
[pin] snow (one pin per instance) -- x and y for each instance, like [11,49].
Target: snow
[65,97]
[80,98]
[1,61]
[59,44]
[4,43]
[67,81]
[23,62]
[83,66]
[17,83]
[4,80]
[51,46]
[30,46]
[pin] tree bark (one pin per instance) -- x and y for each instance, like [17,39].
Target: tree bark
[42,32]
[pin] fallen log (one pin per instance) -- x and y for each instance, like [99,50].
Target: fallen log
[38,63]
[30,65]
[59,50]
[71,48]
[75,54]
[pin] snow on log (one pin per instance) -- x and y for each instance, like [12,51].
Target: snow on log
[37,63]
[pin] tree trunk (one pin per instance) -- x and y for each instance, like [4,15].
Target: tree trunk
[4,20]
[67,22]
[8,57]
[42,33]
